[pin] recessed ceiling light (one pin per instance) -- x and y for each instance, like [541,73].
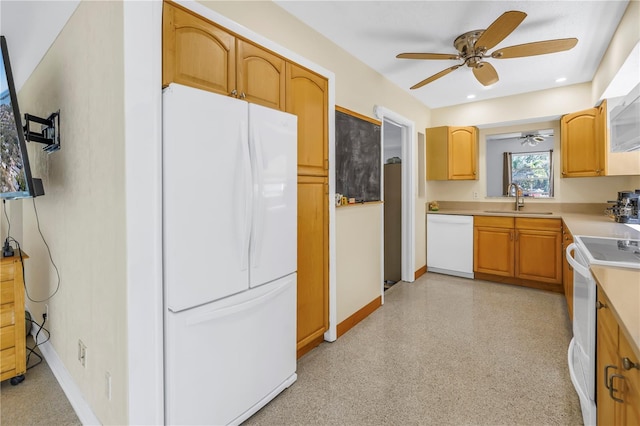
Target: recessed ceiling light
[561,79]
[471,96]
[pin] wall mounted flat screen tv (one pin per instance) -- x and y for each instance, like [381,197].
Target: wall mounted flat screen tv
[15,174]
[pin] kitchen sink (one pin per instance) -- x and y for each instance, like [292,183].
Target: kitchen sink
[515,212]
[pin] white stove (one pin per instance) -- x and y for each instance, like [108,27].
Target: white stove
[587,251]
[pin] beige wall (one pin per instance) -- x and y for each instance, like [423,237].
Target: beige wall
[359,256]
[358,88]
[82,214]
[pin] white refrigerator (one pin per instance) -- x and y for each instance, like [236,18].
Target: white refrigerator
[229,255]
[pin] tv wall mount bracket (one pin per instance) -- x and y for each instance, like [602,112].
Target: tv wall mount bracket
[49,131]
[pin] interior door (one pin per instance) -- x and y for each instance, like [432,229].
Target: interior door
[273,144]
[206,196]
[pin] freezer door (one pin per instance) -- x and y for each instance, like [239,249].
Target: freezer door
[206,196]
[227,359]
[273,144]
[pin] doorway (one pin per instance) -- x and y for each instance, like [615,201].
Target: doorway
[401,133]
[392,177]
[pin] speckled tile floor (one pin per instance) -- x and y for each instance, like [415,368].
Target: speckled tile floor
[440,351]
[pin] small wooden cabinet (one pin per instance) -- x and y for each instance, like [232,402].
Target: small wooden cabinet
[307,98]
[523,251]
[583,138]
[567,270]
[452,153]
[617,371]
[200,54]
[12,321]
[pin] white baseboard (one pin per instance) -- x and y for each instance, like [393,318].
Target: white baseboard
[71,390]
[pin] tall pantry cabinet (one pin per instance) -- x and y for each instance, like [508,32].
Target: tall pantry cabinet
[200,54]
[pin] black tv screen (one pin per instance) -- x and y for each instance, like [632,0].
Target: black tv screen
[15,175]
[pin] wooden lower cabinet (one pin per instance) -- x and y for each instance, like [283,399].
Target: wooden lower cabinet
[567,270]
[493,251]
[12,321]
[524,251]
[617,371]
[313,262]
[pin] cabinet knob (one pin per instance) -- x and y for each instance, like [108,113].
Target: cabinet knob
[600,305]
[242,95]
[234,93]
[628,364]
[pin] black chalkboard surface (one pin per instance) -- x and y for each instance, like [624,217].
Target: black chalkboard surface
[358,143]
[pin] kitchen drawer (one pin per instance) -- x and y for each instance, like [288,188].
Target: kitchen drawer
[7,360]
[6,292]
[7,314]
[7,271]
[7,337]
[493,221]
[536,223]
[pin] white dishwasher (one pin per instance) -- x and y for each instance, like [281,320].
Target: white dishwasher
[450,244]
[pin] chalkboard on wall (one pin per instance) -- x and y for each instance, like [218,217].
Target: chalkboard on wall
[358,151]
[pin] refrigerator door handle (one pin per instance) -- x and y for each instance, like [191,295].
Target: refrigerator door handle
[248,185]
[240,307]
[258,211]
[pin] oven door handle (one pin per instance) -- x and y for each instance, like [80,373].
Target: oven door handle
[581,269]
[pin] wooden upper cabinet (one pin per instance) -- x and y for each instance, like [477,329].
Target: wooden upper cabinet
[583,138]
[452,153]
[261,76]
[307,98]
[463,143]
[197,53]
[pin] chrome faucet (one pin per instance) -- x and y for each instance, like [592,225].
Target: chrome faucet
[518,190]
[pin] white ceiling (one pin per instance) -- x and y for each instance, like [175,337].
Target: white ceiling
[30,28]
[376,31]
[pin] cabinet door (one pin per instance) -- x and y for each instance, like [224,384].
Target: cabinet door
[567,271]
[582,144]
[606,365]
[261,76]
[196,53]
[306,97]
[493,251]
[630,409]
[437,153]
[313,261]
[462,153]
[538,255]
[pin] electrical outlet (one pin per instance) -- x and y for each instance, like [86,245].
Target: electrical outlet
[475,194]
[82,353]
[107,389]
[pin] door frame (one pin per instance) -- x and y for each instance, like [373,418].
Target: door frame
[408,136]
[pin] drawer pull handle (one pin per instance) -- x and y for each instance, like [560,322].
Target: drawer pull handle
[628,364]
[606,374]
[612,389]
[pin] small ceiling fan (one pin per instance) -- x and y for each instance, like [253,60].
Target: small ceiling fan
[533,139]
[472,49]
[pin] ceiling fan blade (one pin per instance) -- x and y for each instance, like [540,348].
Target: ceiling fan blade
[535,48]
[428,56]
[435,77]
[485,73]
[500,29]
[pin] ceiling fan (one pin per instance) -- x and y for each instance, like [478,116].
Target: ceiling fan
[533,139]
[472,49]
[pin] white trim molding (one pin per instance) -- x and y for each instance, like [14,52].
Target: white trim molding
[408,187]
[66,382]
